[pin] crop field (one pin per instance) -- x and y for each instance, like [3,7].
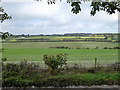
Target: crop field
[15,52]
[59,37]
[56,38]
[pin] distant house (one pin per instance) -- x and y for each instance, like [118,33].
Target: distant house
[21,37]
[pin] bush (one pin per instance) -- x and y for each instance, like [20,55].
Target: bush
[61,47]
[4,59]
[26,74]
[1,50]
[54,62]
[78,48]
[117,47]
[111,48]
[105,47]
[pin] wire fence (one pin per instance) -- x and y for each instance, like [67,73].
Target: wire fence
[72,63]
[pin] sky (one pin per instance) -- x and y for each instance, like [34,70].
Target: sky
[41,18]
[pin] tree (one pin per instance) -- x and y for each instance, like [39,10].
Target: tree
[4,35]
[4,16]
[99,5]
[109,7]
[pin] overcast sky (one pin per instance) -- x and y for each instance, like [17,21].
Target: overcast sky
[41,18]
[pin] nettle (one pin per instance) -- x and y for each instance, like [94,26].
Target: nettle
[54,62]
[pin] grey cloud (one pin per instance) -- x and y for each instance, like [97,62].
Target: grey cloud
[62,20]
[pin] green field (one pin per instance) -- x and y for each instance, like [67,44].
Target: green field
[35,51]
[73,45]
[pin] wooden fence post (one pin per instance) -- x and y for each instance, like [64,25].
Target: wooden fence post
[95,62]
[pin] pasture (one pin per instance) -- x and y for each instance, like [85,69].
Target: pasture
[73,45]
[15,52]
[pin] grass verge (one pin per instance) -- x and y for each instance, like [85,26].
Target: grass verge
[30,74]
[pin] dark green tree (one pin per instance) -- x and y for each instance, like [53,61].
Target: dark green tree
[4,16]
[109,7]
[97,5]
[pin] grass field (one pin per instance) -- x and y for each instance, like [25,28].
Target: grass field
[73,45]
[35,51]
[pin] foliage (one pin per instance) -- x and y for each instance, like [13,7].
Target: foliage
[76,7]
[97,5]
[19,74]
[109,7]
[61,47]
[5,35]
[1,50]
[54,62]
[4,59]
[63,80]
[26,74]
[117,47]
[4,15]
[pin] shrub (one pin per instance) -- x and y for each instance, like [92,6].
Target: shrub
[4,59]
[61,47]
[27,74]
[111,48]
[117,47]
[54,62]
[1,50]
[78,48]
[105,47]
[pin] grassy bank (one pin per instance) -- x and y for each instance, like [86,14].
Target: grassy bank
[63,80]
[30,74]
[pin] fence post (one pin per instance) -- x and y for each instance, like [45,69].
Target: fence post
[95,62]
